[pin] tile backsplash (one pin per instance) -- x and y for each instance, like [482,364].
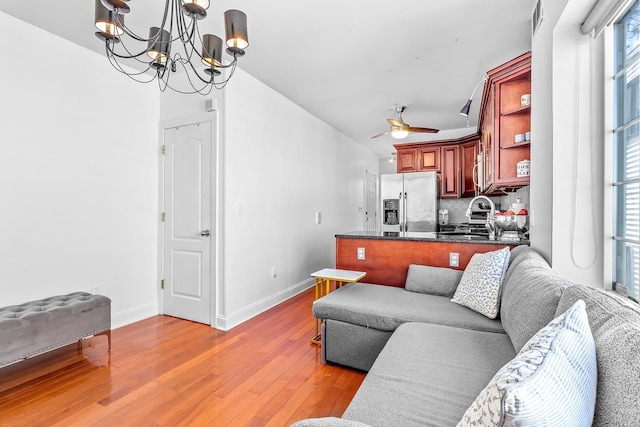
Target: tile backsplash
[458,207]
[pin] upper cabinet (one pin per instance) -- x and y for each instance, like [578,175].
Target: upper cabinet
[505,124]
[453,159]
[468,168]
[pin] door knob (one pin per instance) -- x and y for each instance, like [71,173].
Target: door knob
[205,233]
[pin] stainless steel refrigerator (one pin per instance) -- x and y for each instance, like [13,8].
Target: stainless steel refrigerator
[409,202]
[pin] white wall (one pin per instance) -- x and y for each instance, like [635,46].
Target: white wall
[282,165]
[78,175]
[542,138]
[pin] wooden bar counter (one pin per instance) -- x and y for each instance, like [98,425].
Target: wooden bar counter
[387,257]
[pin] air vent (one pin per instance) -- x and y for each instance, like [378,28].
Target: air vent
[536,18]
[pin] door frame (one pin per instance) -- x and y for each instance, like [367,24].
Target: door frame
[376,201]
[216,243]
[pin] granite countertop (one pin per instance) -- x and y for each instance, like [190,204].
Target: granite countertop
[429,237]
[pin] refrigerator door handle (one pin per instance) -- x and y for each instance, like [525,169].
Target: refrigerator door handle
[402,212]
[406,224]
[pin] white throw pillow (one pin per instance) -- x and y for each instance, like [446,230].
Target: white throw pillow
[551,382]
[479,288]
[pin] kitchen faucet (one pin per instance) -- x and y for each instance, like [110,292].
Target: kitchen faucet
[490,225]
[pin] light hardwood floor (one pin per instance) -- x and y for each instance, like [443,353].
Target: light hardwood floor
[165,371]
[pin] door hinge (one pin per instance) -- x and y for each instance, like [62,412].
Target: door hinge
[162,284]
[162,217]
[164,150]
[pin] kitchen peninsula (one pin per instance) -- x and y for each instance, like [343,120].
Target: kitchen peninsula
[387,256]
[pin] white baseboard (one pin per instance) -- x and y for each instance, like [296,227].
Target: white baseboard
[224,323]
[134,315]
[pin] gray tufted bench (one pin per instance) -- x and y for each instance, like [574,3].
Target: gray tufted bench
[39,326]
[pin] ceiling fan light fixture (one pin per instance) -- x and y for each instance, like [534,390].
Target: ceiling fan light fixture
[399,132]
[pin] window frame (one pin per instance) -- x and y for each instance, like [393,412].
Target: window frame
[611,172]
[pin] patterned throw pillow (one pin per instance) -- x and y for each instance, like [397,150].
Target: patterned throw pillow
[479,288]
[551,382]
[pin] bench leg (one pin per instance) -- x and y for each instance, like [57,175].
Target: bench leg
[108,334]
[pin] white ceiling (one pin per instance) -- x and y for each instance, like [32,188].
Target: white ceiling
[348,62]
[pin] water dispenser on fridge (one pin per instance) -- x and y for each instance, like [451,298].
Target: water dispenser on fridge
[390,214]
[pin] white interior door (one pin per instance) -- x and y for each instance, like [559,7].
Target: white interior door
[370,201]
[187,227]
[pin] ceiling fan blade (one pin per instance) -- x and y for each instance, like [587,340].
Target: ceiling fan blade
[380,134]
[395,123]
[423,130]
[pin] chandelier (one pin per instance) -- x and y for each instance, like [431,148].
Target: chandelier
[176,44]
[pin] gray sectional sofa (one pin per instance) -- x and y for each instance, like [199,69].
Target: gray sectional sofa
[429,359]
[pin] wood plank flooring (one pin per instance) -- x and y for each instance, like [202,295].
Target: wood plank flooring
[165,371]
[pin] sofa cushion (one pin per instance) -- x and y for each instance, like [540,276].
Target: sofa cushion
[432,280]
[615,324]
[530,296]
[387,307]
[552,381]
[428,375]
[479,288]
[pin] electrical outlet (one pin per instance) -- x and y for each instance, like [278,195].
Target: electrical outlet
[454,259]
[95,289]
[361,253]
[274,273]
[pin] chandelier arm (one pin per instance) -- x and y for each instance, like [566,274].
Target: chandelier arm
[132,76]
[222,84]
[205,81]
[129,54]
[206,89]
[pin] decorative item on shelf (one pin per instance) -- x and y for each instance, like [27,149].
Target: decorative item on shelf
[467,106]
[523,168]
[527,136]
[519,207]
[179,26]
[520,137]
[525,100]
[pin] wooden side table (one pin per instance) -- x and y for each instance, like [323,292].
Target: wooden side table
[323,282]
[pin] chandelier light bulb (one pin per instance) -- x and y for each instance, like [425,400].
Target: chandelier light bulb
[211,50]
[236,30]
[106,21]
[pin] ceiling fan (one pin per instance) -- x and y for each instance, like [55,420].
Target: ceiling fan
[400,129]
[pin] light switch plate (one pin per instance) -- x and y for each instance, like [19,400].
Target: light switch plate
[318,217]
